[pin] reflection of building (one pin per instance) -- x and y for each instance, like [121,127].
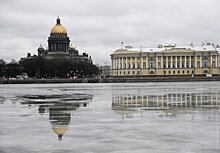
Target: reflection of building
[60,115]
[165,61]
[59,108]
[166,101]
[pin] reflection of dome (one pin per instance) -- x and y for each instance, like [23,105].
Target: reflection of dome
[58,28]
[59,131]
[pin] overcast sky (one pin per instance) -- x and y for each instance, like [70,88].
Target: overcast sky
[99,26]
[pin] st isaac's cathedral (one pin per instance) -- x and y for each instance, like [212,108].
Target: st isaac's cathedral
[59,46]
[60,59]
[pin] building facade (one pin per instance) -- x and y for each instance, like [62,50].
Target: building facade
[165,61]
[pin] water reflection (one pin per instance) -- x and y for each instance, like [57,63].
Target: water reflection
[2,100]
[59,107]
[168,102]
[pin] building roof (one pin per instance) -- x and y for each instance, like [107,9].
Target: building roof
[160,48]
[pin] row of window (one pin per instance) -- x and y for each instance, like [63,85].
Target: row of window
[205,64]
[179,72]
[174,72]
[169,57]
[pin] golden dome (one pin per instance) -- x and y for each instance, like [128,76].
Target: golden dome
[59,130]
[58,28]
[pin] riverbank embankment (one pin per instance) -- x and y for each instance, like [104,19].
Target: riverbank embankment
[113,80]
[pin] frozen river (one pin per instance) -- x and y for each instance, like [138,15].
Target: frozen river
[110,118]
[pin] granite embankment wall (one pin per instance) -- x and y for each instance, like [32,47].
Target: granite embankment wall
[113,80]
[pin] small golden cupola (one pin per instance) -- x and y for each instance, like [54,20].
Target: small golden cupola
[58,28]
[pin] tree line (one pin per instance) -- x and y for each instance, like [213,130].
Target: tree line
[39,67]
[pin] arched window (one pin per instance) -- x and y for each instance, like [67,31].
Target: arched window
[206,72]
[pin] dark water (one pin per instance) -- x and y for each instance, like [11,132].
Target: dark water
[111,118]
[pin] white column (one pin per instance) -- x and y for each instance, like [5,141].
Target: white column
[126,63]
[171,62]
[195,61]
[141,66]
[135,62]
[190,62]
[166,61]
[210,64]
[122,63]
[113,66]
[185,62]
[216,61]
[147,63]
[176,62]
[156,62]
[200,60]
[115,63]
[180,61]
[161,62]
[118,63]
[131,59]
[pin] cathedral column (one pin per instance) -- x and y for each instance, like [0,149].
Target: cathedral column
[216,61]
[185,62]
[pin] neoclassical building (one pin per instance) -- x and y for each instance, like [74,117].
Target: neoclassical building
[165,61]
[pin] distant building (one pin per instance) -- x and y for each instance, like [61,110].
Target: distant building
[60,59]
[59,46]
[166,61]
[105,71]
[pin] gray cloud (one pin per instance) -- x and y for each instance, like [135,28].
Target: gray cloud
[98,26]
